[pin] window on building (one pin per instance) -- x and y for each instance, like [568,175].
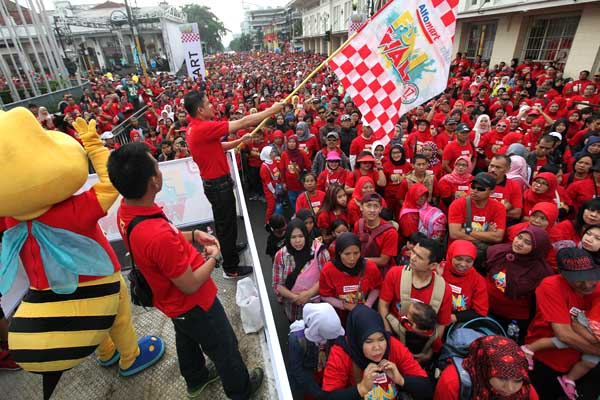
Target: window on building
[481,40]
[474,2]
[550,38]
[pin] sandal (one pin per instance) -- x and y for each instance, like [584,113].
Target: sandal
[568,386]
[529,356]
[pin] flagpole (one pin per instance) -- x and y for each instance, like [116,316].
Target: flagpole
[308,78]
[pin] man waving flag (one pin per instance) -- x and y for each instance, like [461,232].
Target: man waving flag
[398,60]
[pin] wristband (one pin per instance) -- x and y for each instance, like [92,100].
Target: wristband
[193,236]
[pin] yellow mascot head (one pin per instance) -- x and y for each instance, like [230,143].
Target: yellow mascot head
[39,168]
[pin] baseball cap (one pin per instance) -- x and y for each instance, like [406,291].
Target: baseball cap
[333,134]
[450,121]
[469,104]
[533,111]
[345,117]
[485,179]
[556,135]
[107,135]
[576,264]
[463,128]
[335,100]
[373,196]
[333,156]
[366,158]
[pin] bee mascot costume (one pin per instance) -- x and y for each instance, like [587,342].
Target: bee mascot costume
[77,299]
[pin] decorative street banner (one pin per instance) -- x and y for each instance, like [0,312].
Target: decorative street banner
[192,50]
[398,60]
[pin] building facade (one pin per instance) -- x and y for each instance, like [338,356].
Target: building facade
[272,28]
[562,31]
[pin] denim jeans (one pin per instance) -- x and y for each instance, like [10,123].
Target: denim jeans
[198,331]
[219,193]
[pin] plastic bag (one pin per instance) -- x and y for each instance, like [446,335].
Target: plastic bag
[247,300]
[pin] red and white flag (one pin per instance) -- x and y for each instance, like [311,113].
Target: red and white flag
[398,60]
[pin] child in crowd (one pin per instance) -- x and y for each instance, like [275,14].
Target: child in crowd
[338,227]
[308,217]
[311,198]
[334,207]
[276,238]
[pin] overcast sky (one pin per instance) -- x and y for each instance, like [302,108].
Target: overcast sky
[231,12]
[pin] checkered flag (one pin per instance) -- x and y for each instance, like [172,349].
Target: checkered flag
[398,60]
[355,22]
[189,37]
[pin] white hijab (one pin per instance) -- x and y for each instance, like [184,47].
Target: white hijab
[320,323]
[480,131]
[265,154]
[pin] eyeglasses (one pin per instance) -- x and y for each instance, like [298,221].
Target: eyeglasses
[478,188]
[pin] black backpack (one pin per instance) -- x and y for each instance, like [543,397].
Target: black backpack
[141,292]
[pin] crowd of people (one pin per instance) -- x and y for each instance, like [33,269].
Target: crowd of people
[481,204]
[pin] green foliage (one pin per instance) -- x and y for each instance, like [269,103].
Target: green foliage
[241,43]
[210,27]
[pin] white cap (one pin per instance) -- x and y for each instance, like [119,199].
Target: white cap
[556,135]
[107,135]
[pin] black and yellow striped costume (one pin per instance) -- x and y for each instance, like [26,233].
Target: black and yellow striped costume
[52,332]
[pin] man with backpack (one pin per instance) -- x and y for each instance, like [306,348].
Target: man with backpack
[179,277]
[379,238]
[417,282]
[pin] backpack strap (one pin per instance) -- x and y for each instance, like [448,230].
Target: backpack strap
[135,222]
[381,229]
[469,221]
[439,289]
[310,207]
[464,378]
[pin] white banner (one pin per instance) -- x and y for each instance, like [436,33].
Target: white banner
[192,50]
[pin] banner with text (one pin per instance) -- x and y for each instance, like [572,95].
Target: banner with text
[192,50]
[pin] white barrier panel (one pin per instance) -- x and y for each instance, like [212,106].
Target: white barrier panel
[182,197]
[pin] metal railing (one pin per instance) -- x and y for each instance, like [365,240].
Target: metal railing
[50,100]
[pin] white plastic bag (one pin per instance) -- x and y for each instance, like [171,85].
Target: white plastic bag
[247,300]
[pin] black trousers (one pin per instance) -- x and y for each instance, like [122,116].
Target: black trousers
[546,385]
[198,331]
[219,193]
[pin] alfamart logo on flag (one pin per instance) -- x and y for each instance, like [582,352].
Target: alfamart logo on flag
[192,50]
[399,60]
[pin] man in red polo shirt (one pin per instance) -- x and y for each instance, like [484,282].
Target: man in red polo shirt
[507,191]
[204,138]
[179,276]
[559,298]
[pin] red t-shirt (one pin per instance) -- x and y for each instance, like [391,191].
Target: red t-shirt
[354,176]
[387,242]
[394,175]
[502,305]
[161,254]
[339,374]
[390,292]
[468,291]
[292,171]
[448,387]
[309,147]
[554,302]
[493,211]
[454,150]
[326,218]
[204,141]
[581,191]
[359,144]
[316,201]
[78,214]
[335,283]
[328,177]
[510,191]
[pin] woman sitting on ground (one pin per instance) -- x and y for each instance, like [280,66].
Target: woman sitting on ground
[372,364]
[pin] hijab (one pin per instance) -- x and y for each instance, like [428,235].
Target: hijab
[524,272]
[549,195]
[342,242]
[415,191]
[518,170]
[402,159]
[459,248]
[517,149]
[305,131]
[265,155]
[362,322]
[496,357]
[584,151]
[549,209]
[358,190]
[434,160]
[375,145]
[460,179]
[320,323]
[512,137]
[479,131]
[295,154]
[302,256]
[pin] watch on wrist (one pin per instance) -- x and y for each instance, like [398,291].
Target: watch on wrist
[218,260]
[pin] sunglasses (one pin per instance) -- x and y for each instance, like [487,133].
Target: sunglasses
[478,188]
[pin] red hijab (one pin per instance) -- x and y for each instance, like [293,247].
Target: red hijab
[358,189]
[549,210]
[549,195]
[460,179]
[459,248]
[412,195]
[496,357]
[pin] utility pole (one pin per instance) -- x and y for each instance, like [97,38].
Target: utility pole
[134,33]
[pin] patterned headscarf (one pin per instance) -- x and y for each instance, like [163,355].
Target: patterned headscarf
[496,357]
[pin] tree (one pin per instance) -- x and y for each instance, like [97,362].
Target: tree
[210,27]
[241,43]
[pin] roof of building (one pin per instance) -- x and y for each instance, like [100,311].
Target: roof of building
[107,4]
